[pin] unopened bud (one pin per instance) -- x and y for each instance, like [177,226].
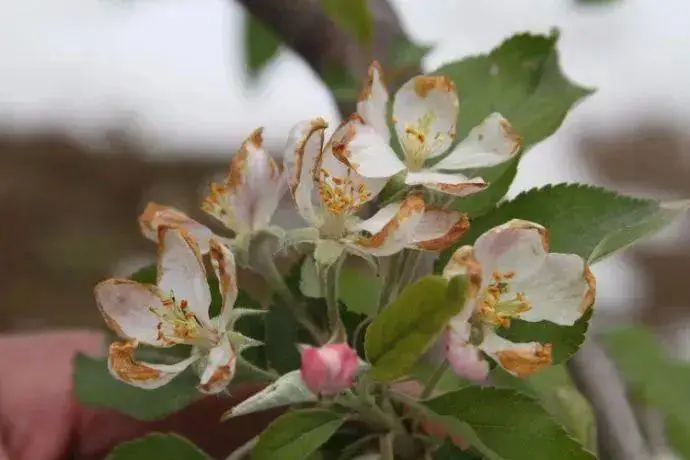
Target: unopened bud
[329,369]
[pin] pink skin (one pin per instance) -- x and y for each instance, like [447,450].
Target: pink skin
[40,418]
[329,369]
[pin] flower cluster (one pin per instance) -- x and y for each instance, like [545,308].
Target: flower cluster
[511,274]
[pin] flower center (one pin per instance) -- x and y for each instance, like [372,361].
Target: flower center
[341,195]
[176,324]
[418,142]
[334,226]
[499,305]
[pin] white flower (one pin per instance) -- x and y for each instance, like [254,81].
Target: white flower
[425,110]
[245,202]
[325,171]
[513,275]
[175,311]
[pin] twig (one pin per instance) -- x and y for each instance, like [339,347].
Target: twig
[306,28]
[618,434]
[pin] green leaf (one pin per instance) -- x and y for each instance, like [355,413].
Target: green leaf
[522,80]
[158,445]
[288,389]
[94,386]
[555,390]
[658,379]
[353,16]
[408,326]
[260,44]
[449,451]
[591,222]
[359,292]
[296,435]
[282,337]
[565,340]
[407,53]
[499,178]
[511,424]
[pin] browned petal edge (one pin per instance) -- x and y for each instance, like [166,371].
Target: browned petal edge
[220,378]
[189,241]
[239,161]
[317,124]
[511,134]
[413,204]
[220,263]
[155,215]
[366,90]
[121,362]
[463,262]
[456,189]
[527,225]
[112,324]
[591,293]
[454,233]
[340,140]
[526,362]
[424,84]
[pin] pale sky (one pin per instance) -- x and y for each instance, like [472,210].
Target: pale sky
[171,71]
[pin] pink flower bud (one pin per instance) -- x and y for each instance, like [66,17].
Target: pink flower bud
[465,359]
[329,369]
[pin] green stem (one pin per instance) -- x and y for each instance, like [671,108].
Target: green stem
[433,380]
[268,375]
[386,446]
[358,331]
[330,289]
[391,280]
[409,266]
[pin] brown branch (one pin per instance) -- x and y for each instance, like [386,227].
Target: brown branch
[618,433]
[306,28]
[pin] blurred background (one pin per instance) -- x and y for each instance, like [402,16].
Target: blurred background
[106,104]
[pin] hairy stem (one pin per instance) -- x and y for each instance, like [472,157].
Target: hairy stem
[433,380]
[330,290]
[386,446]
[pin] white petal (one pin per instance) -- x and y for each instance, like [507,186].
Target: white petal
[560,290]
[156,215]
[488,144]
[369,153]
[219,369]
[301,158]
[341,188]
[517,247]
[425,110]
[464,263]
[373,102]
[125,306]
[451,184]
[123,366]
[249,196]
[181,272]
[521,359]
[440,228]
[223,263]
[395,233]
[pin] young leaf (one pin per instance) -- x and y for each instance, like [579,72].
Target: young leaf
[93,385]
[407,327]
[297,434]
[260,44]
[353,16]
[281,339]
[589,221]
[158,445]
[359,292]
[522,80]
[661,381]
[512,425]
[288,389]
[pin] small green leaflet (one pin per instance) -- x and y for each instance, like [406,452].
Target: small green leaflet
[353,16]
[360,292]
[297,434]
[158,445]
[260,45]
[511,425]
[407,327]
